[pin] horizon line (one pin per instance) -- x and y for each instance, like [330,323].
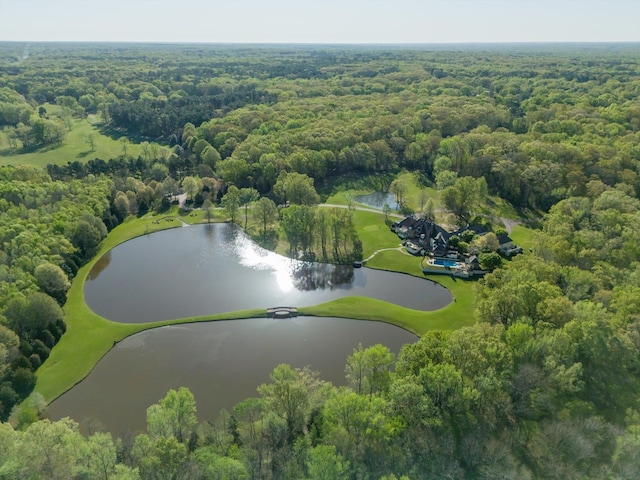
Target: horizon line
[189,42]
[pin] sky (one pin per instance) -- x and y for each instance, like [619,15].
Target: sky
[321,21]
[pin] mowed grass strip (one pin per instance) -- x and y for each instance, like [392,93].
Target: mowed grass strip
[457,314]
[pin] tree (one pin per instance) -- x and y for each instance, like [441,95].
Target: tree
[399,189]
[210,156]
[87,236]
[234,171]
[423,196]
[49,450]
[386,209]
[99,456]
[266,212]
[489,261]
[368,371]
[24,133]
[429,212]
[124,143]
[9,343]
[231,202]
[159,457]
[174,415]
[217,467]
[325,464]
[159,172]
[487,243]
[446,178]
[91,140]
[359,429]
[298,223]
[121,204]
[170,186]
[32,315]
[207,206]
[247,196]
[199,146]
[190,185]
[460,197]
[296,188]
[287,396]
[323,219]
[52,280]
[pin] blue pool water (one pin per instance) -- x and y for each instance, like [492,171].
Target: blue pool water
[445,263]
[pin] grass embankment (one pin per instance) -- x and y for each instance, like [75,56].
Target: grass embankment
[457,314]
[75,147]
[89,336]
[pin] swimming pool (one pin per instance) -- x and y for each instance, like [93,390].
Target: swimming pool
[445,263]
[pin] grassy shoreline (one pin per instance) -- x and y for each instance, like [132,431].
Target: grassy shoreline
[89,336]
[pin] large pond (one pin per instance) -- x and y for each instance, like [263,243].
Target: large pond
[215,268]
[221,362]
[206,269]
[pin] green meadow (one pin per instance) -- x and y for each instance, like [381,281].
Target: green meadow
[75,146]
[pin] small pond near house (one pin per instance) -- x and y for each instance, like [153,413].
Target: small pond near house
[222,363]
[378,200]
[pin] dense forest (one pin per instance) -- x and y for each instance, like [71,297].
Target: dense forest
[545,384]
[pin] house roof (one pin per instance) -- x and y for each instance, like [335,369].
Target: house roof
[476,228]
[504,238]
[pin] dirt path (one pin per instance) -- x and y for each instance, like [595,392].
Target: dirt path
[399,249]
[509,223]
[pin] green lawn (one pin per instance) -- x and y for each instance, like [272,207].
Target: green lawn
[457,314]
[75,147]
[373,232]
[523,237]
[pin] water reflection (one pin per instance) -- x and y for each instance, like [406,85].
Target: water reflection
[102,263]
[290,273]
[311,276]
[216,268]
[378,200]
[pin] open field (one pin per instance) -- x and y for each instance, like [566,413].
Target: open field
[75,147]
[523,236]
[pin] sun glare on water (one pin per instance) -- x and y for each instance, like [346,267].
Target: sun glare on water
[253,256]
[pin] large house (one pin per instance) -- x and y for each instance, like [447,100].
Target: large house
[424,234]
[423,237]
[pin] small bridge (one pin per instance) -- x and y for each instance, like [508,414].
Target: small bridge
[282,312]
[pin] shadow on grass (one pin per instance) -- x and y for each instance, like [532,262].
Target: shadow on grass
[84,154]
[116,134]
